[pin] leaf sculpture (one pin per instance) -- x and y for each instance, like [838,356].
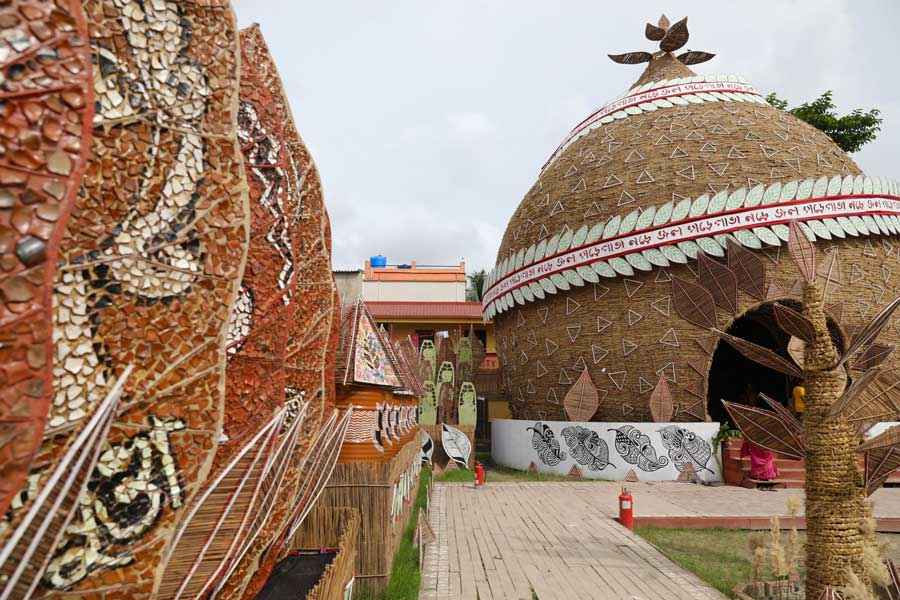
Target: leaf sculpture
[631,58]
[694,57]
[676,36]
[586,447]
[661,406]
[635,448]
[868,333]
[546,445]
[761,355]
[879,400]
[872,357]
[654,33]
[582,399]
[693,303]
[766,429]
[427,447]
[749,269]
[685,448]
[853,392]
[796,349]
[882,457]
[794,323]
[789,419]
[720,281]
[456,445]
[802,251]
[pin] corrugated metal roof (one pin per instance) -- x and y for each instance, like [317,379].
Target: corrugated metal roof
[425,310]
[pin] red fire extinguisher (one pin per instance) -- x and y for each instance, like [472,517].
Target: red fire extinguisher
[479,474]
[626,509]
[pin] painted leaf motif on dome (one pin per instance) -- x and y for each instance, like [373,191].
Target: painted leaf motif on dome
[546,445]
[635,448]
[587,448]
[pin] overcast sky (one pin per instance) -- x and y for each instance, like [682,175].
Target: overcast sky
[429,120]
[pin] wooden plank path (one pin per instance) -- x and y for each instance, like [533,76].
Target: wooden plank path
[507,540]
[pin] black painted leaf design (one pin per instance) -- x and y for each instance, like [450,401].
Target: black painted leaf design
[635,448]
[546,445]
[427,448]
[586,447]
[685,447]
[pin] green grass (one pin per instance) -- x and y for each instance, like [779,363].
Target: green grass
[720,557]
[405,576]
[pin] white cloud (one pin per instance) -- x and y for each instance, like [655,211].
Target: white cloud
[429,121]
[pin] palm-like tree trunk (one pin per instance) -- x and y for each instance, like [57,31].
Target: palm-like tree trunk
[834,495]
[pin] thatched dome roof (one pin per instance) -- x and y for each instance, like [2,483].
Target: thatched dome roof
[677,166]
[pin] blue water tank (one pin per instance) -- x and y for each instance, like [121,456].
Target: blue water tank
[378,261]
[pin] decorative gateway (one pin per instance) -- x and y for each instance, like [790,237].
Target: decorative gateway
[379,461]
[685,184]
[128,380]
[279,414]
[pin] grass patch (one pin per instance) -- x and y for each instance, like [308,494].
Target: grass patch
[720,557]
[405,577]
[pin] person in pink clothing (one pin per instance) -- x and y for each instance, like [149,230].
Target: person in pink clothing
[762,462]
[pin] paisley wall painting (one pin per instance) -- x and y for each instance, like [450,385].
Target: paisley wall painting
[655,451]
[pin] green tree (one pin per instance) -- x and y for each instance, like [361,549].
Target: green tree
[851,131]
[476,285]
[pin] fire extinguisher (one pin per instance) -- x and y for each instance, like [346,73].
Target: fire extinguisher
[626,509]
[479,474]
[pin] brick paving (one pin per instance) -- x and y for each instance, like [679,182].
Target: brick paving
[556,540]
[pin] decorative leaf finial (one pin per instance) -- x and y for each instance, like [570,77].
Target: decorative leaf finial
[670,38]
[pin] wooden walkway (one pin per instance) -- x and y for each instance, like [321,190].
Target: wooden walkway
[549,540]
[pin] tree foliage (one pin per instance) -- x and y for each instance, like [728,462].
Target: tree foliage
[851,131]
[476,285]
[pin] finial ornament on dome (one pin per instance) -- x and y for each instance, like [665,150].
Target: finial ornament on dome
[670,38]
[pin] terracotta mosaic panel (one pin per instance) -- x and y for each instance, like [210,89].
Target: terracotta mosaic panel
[46,112]
[148,269]
[295,234]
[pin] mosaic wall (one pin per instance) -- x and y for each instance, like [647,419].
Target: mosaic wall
[623,329]
[46,120]
[294,304]
[148,268]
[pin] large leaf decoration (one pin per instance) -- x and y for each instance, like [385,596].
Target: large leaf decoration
[802,251]
[872,357]
[787,416]
[794,323]
[882,457]
[719,281]
[868,333]
[762,355]
[796,349]
[586,447]
[767,429]
[631,58]
[546,445]
[878,399]
[456,445]
[661,406]
[846,401]
[694,57]
[635,448]
[693,303]
[654,33]
[685,448]
[749,269]
[676,36]
[582,399]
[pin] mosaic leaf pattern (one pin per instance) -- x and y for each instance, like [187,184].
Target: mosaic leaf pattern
[546,445]
[635,448]
[586,447]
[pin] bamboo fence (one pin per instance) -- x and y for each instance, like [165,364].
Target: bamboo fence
[331,528]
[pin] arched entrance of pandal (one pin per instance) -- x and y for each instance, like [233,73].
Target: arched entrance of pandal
[734,378]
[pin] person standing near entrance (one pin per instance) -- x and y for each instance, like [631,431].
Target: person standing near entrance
[762,461]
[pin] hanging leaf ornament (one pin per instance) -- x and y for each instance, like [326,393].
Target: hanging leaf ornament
[720,281]
[802,251]
[693,303]
[749,269]
[582,399]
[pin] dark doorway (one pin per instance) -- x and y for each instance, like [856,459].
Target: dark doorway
[737,379]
